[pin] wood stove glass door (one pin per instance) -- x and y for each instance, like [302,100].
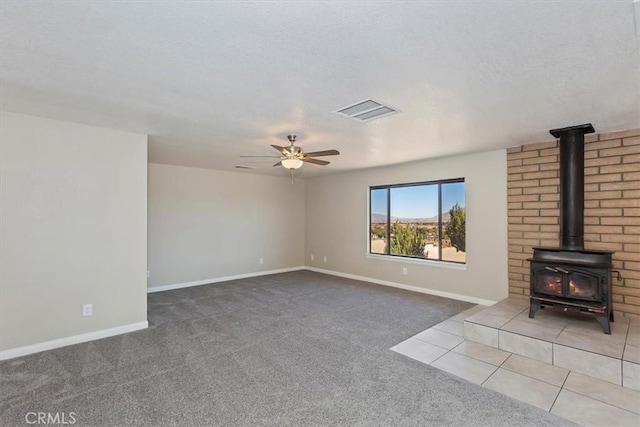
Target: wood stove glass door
[547,281]
[584,286]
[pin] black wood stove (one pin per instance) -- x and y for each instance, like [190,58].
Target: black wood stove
[571,278]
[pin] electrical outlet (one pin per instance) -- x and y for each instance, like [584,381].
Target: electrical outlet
[325,259]
[87,309]
[405,270]
[148,274]
[261,261]
[311,257]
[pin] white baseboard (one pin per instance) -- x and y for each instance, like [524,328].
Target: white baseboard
[75,339]
[406,287]
[221,279]
[332,273]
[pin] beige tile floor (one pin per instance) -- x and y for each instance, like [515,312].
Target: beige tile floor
[567,393]
[572,341]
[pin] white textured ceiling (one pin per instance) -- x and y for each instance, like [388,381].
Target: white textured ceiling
[210,81]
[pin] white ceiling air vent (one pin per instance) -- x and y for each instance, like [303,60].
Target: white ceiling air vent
[367,110]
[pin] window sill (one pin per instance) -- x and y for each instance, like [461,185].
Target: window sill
[423,262]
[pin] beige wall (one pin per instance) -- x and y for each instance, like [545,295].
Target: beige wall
[207,224]
[336,225]
[73,229]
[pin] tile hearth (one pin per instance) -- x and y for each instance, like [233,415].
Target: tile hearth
[560,363]
[563,339]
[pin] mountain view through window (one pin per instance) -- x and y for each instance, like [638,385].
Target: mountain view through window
[419,220]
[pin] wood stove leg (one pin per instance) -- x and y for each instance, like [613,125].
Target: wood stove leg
[604,322]
[533,308]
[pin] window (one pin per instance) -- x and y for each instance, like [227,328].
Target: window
[423,220]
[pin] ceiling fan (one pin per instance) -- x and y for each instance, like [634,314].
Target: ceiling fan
[293,157]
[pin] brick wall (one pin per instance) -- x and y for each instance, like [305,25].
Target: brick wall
[612,208]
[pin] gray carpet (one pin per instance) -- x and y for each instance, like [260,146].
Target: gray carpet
[295,349]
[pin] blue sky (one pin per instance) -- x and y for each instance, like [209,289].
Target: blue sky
[417,201]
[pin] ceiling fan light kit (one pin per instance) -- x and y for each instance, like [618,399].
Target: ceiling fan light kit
[292,163]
